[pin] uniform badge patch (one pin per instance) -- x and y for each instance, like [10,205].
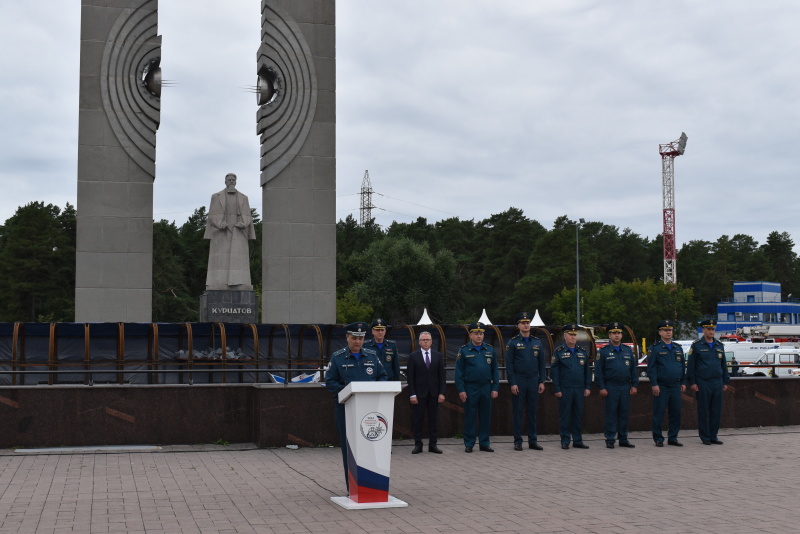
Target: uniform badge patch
[582,361]
[388,357]
[628,363]
[489,361]
[369,370]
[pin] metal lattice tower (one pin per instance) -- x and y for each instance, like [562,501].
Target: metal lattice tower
[366,200]
[669,152]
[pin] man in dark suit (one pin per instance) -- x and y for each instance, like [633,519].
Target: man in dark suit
[426,382]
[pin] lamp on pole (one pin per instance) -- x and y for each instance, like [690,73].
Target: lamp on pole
[577,224]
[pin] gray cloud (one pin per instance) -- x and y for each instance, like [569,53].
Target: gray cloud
[466,107]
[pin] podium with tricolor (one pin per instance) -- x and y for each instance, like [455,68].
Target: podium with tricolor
[369,412]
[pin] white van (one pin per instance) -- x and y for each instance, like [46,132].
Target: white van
[774,356]
[746,352]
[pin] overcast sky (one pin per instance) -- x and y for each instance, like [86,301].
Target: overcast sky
[457,108]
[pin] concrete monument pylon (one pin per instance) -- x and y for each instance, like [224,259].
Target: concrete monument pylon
[120,110]
[296,66]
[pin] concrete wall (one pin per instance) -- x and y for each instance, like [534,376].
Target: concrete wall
[277,415]
[298,161]
[118,119]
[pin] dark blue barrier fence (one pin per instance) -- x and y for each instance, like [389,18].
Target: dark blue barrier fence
[204,353]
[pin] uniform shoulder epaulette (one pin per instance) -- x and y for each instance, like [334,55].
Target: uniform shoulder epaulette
[338,352]
[368,351]
[390,341]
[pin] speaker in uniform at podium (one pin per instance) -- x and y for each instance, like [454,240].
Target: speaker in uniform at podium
[351,364]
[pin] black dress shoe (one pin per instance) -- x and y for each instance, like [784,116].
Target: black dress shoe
[610,445]
[565,446]
[434,449]
[706,442]
[486,449]
[467,449]
[716,442]
[659,443]
[627,444]
[535,446]
[675,443]
[518,446]
[579,446]
[417,448]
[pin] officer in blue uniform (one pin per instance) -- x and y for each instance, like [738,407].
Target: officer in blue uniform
[525,373]
[617,377]
[351,364]
[707,375]
[477,381]
[386,349]
[666,368]
[572,379]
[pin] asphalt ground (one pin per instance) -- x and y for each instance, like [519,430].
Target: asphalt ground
[749,484]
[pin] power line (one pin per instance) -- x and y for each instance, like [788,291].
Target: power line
[415,204]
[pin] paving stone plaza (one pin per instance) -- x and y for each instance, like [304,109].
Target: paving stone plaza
[748,484]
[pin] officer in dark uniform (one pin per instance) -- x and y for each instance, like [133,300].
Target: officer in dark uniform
[707,375]
[386,349]
[617,377]
[666,369]
[525,373]
[572,379]
[477,381]
[351,364]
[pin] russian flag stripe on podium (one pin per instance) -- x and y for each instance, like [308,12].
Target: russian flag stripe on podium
[365,485]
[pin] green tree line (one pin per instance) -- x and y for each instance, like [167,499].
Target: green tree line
[455,268]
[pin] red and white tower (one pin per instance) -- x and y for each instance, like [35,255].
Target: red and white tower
[668,153]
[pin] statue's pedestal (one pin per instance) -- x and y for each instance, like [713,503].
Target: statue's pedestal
[226,306]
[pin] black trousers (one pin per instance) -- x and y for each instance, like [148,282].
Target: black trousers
[425,406]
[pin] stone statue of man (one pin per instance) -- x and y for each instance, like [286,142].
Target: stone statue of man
[229,227]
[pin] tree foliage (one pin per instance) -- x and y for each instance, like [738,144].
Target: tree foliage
[399,277]
[455,268]
[172,301]
[639,304]
[37,264]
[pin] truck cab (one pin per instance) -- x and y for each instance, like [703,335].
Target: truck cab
[782,356]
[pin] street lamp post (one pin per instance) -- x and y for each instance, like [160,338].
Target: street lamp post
[577,224]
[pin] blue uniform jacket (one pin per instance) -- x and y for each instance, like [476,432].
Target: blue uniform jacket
[707,363]
[616,365]
[666,367]
[570,369]
[345,368]
[477,365]
[524,360]
[389,357]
